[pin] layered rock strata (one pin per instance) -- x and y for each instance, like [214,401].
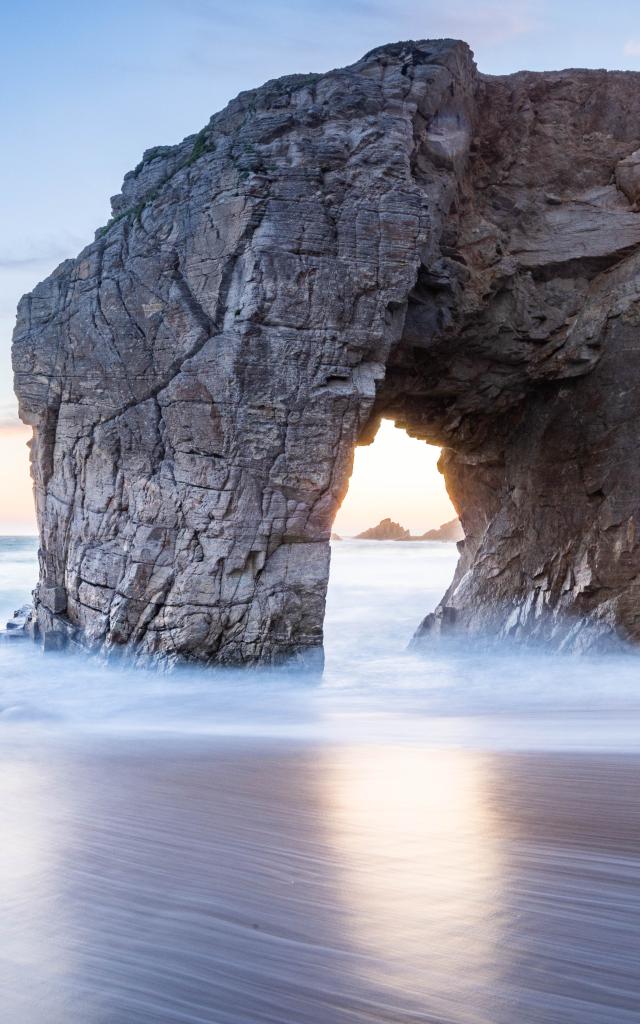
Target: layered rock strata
[404,237]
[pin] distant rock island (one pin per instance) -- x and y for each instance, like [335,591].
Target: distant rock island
[451,531]
[385,530]
[388,530]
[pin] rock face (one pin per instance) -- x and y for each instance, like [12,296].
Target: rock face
[451,531]
[385,530]
[405,237]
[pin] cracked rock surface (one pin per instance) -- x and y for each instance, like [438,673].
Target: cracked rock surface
[404,237]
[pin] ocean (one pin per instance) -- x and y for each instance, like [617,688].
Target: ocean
[449,837]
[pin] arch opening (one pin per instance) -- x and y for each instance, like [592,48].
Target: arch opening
[381,585]
[394,477]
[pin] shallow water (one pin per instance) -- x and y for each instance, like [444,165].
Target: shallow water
[373,688]
[452,839]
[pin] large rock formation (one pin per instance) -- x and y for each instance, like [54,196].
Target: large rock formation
[405,237]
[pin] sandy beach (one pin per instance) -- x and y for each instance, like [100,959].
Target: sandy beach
[452,840]
[236,882]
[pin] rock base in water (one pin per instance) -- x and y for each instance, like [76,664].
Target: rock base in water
[18,625]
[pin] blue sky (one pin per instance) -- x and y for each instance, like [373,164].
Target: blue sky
[87,87]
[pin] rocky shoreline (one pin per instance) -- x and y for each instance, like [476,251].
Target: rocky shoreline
[17,628]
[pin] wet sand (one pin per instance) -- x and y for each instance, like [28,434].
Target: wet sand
[148,881]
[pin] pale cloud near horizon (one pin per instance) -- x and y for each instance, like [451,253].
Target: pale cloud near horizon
[9,419]
[632,48]
[17,511]
[10,422]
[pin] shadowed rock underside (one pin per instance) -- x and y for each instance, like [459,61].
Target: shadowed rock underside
[404,238]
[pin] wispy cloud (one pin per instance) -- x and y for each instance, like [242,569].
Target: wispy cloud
[24,262]
[32,253]
[632,48]
[498,19]
[298,36]
[489,23]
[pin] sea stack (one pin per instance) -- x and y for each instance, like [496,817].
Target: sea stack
[385,530]
[407,238]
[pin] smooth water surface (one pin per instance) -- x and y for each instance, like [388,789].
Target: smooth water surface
[451,839]
[373,687]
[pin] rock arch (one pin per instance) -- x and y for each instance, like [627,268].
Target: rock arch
[404,237]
